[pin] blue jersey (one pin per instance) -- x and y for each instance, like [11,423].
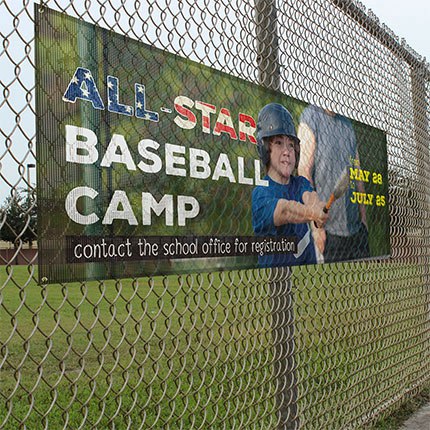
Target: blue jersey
[264,201]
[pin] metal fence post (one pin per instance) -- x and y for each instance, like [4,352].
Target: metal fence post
[90,118]
[280,285]
[267,44]
[284,363]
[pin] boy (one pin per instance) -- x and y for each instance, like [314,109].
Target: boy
[288,203]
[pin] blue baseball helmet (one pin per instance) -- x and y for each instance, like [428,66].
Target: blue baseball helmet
[273,120]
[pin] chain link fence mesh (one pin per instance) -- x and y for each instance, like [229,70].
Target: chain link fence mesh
[218,350]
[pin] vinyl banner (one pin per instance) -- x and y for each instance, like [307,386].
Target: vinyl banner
[149,163]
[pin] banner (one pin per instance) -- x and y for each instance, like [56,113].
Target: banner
[149,163]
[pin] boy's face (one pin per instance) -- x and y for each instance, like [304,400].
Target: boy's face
[282,158]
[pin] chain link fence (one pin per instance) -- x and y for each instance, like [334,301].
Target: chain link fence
[220,350]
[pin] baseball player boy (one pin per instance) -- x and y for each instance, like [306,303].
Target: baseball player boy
[288,203]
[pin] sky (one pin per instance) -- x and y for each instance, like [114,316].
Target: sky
[408,19]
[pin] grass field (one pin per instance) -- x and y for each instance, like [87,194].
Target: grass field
[198,351]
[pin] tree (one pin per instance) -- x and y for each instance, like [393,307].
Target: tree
[18,218]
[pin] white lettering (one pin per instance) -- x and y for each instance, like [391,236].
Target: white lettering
[199,164]
[257,170]
[81,145]
[183,213]
[113,212]
[223,169]
[172,160]
[111,156]
[241,172]
[71,202]
[150,204]
[143,147]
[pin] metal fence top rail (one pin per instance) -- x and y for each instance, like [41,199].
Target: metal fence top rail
[370,22]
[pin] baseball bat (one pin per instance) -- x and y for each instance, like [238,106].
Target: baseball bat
[340,188]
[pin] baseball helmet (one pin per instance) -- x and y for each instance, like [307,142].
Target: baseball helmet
[273,120]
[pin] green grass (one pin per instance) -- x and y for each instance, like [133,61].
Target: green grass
[197,351]
[152,351]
